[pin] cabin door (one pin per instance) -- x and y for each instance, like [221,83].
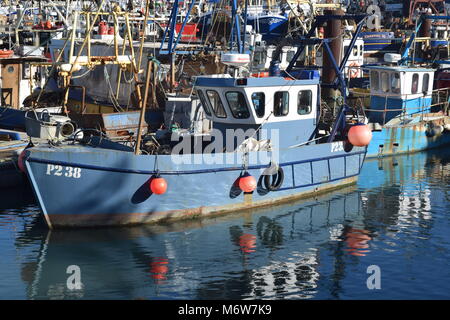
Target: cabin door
[11,75]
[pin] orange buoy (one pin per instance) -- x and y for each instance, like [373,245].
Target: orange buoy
[359,135]
[247,242]
[20,162]
[158,185]
[247,183]
[357,241]
[48,24]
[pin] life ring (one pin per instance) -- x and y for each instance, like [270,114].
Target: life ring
[353,71]
[6,53]
[273,182]
[260,74]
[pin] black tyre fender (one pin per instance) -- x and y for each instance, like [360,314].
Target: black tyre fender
[274,182]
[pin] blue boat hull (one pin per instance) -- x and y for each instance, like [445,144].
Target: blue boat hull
[404,139]
[394,107]
[12,119]
[271,28]
[381,42]
[112,187]
[437,43]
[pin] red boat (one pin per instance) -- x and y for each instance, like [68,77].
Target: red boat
[189,32]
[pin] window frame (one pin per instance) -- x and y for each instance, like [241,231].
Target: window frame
[274,99]
[412,83]
[245,101]
[377,87]
[310,102]
[263,105]
[427,75]
[395,89]
[388,78]
[221,103]
[205,102]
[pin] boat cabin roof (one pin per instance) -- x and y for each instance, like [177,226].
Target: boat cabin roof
[18,60]
[230,82]
[400,69]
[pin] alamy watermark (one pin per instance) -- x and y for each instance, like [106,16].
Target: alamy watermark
[374,280]
[229,146]
[74,280]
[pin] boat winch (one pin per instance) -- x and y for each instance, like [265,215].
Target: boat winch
[48,126]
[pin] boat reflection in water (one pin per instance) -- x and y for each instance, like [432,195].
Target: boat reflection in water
[235,256]
[314,248]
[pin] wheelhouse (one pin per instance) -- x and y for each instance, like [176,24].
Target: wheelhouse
[398,90]
[286,104]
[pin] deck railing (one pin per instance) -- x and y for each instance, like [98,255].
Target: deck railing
[440,98]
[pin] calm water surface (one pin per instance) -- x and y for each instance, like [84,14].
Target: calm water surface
[397,218]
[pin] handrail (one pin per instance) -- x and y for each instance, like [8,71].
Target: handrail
[388,94]
[436,94]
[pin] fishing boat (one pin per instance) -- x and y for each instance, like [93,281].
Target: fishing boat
[407,111]
[381,42]
[276,154]
[402,111]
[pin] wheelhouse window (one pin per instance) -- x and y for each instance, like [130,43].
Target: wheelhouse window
[375,80]
[425,83]
[395,82]
[259,57]
[205,105]
[415,83]
[281,103]
[345,49]
[238,104]
[385,82]
[290,54]
[259,103]
[304,104]
[216,104]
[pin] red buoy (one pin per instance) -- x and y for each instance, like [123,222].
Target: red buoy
[359,135]
[159,268]
[247,183]
[158,185]
[111,30]
[20,162]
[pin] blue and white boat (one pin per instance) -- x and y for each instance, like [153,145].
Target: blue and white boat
[271,26]
[270,129]
[381,41]
[402,111]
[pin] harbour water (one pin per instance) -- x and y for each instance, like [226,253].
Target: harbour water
[394,220]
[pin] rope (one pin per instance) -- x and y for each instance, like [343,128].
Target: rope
[110,91]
